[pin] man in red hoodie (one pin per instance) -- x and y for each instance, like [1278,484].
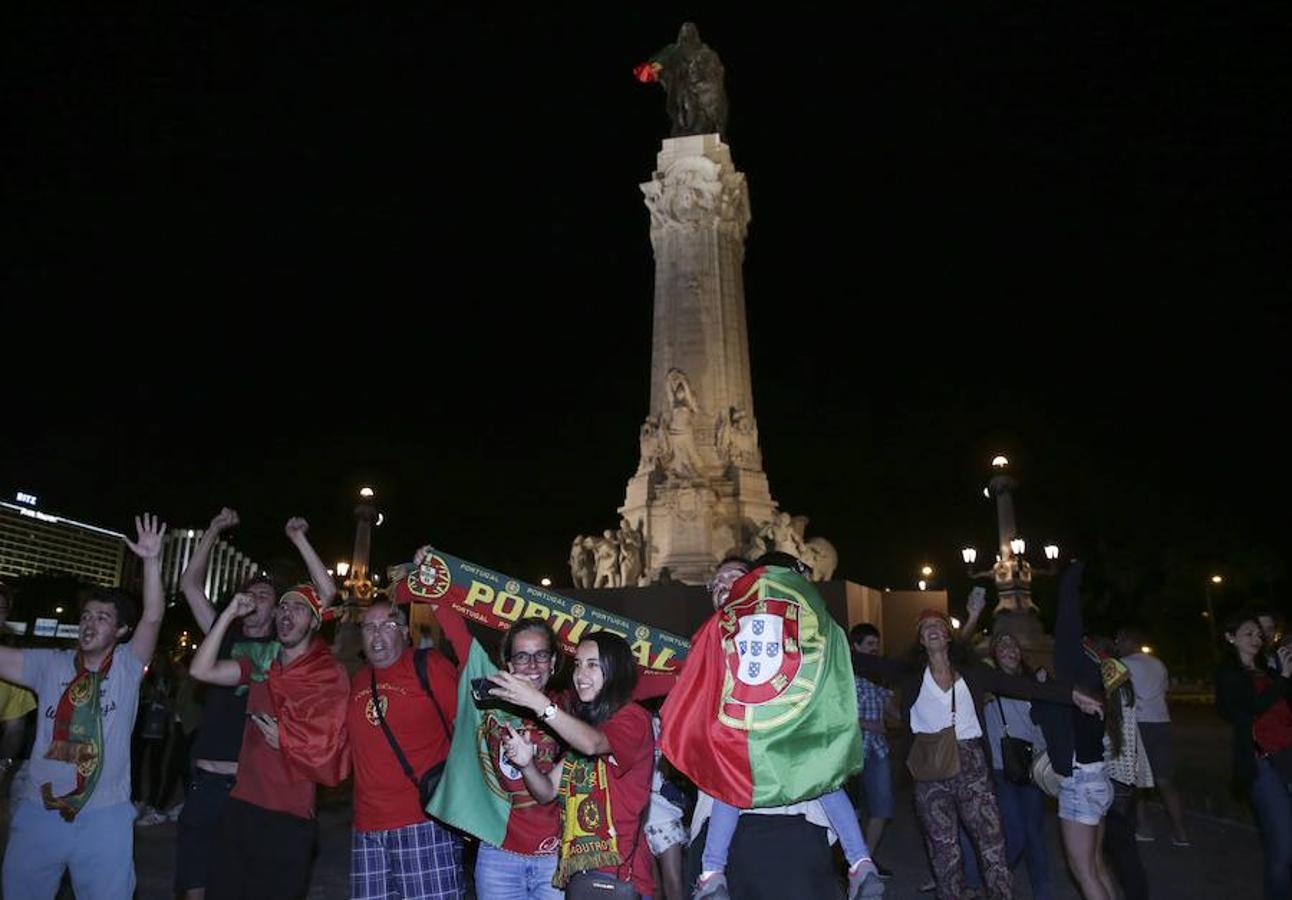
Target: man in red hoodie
[295,740]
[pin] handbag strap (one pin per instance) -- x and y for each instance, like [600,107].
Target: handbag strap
[1000,710]
[394,744]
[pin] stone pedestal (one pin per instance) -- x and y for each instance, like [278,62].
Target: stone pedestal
[700,492]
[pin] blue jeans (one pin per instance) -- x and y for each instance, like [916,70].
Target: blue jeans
[502,875]
[838,809]
[97,848]
[1273,805]
[1022,813]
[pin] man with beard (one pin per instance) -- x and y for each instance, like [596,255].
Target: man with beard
[73,806]
[215,752]
[294,740]
[394,846]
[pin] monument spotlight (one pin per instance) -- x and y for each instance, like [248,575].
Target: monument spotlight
[1018,545]
[969,555]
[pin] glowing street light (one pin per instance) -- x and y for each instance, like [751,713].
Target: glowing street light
[1051,552]
[365,492]
[955,623]
[1018,545]
[1216,579]
[1146,649]
[343,569]
[545,582]
[969,555]
[924,585]
[999,462]
[926,571]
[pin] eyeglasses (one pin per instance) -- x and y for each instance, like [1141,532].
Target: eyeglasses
[542,657]
[371,629]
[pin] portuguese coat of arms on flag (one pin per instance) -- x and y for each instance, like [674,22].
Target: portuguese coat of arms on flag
[765,709]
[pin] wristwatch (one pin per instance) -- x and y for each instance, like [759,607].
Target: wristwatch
[548,713]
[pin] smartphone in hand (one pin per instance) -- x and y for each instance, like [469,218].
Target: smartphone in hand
[480,690]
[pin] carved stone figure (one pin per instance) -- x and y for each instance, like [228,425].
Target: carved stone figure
[785,533]
[654,445]
[737,438]
[684,457]
[581,563]
[606,552]
[631,562]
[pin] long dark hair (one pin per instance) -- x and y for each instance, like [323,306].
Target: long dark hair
[619,678]
[1232,624]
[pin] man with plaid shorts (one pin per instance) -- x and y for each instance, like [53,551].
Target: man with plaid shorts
[396,851]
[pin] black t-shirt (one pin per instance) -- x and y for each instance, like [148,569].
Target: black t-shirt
[225,708]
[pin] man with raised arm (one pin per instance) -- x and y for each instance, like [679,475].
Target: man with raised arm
[73,807]
[215,753]
[294,740]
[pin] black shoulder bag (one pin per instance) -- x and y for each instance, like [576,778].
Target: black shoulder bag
[1015,753]
[430,780]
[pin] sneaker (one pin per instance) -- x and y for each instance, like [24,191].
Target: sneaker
[714,887]
[863,880]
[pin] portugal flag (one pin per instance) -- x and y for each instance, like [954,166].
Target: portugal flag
[764,712]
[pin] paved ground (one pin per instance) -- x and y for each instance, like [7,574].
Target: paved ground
[1224,860]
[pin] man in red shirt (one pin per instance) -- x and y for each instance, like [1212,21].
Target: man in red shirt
[395,849]
[294,740]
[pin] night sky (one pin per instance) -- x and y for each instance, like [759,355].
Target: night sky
[262,260]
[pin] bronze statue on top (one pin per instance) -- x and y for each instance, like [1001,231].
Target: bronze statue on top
[692,76]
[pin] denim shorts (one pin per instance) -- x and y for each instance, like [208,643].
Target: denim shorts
[1086,795]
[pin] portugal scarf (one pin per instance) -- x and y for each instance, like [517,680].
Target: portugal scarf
[78,737]
[588,839]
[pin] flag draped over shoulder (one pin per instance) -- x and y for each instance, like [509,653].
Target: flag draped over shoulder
[309,699]
[470,797]
[764,712]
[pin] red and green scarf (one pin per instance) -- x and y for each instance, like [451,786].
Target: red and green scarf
[588,839]
[78,737]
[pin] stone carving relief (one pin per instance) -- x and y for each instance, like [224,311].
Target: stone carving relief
[683,459]
[615,559]
[736,437]
[694,192]
[785,534]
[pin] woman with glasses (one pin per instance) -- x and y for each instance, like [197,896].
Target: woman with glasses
[604,782]
[522,866]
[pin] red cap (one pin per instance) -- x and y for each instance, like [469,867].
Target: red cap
[307,593]
[929,614]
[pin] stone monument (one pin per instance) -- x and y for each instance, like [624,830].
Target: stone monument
[699,491]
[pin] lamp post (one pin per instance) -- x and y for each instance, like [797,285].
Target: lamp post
[1012,573]
[359,584]
[1211,612]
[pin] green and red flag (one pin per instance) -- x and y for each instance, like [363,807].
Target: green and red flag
[764,712]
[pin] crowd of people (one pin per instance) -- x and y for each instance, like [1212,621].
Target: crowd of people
[533,772]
